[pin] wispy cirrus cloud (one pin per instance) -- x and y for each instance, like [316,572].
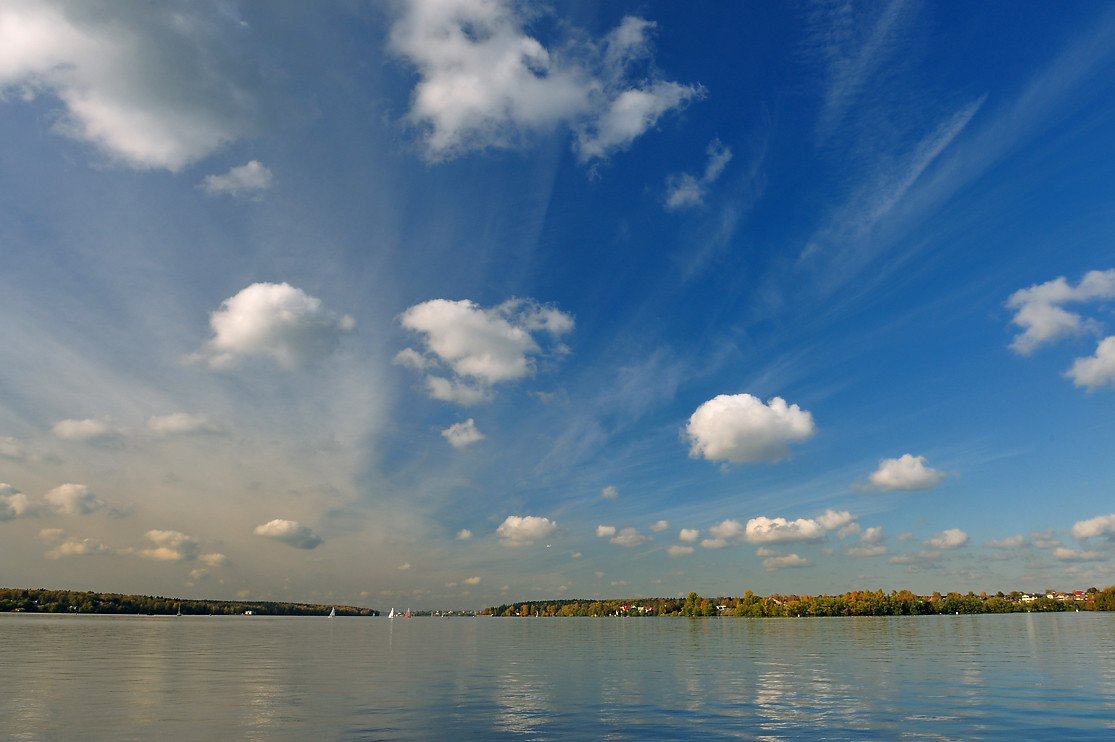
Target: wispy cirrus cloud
[182,423]
[841,246]
[855,51]
[687,191]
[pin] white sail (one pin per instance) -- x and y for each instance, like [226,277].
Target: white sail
[391,614]
[332,612]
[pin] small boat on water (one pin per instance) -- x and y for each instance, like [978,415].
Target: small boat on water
[391,614]
[332,613]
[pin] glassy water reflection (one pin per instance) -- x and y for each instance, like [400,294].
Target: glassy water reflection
[1030,676]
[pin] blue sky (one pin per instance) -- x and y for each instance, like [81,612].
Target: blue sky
[456,303]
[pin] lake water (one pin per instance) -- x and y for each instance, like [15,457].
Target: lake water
[1020,676]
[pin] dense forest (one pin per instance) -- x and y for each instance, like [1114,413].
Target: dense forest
[70,601]
[856,603]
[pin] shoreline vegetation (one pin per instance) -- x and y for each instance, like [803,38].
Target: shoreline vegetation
[75,601]
[854,603]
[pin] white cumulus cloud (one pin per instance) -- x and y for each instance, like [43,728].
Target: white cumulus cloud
[484,81]
[950,538]
[73,499]
[1039,311]
[214,559]
[678,550]
[15,504]
[727,529]
[1075,555]
[289,532]
[97,432]
[605,531]
[1012,542]
[170,546]
[629,537]
[1095,370]
[148,85]
[463,434]
[870,541]
[906,473]
[245,179]
[741,429]
[65,546]
[659,526]
[1101,525]
[763,530]
[1045,539]
[276,321]
[518,530]
[689,535]
[481,347]
[609,492]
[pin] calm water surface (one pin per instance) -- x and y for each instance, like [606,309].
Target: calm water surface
[1020,676]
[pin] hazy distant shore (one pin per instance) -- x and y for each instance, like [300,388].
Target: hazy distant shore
[855,603]
[73,601]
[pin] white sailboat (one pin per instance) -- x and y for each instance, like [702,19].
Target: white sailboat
[332,613]
[391,614]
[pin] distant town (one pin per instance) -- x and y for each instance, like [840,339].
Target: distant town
[749,605]
[855,603]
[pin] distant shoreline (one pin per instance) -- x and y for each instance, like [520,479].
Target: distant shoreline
[41,600]
[855,603]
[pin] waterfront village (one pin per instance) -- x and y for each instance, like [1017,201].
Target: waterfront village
[854,603]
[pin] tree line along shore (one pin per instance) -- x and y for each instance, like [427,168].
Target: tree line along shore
[855,603]
[71,601]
